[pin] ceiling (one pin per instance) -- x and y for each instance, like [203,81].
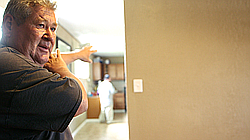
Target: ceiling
[98,22]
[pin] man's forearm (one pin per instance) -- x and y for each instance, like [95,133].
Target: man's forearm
[82,54]
[69,57]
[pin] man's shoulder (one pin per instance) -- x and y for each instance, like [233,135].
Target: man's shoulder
[14,62]
[11,56]
[105,82]
[4,50]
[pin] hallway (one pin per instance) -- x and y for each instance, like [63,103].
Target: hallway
[117,130]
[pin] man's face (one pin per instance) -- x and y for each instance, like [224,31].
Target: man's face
[36,37]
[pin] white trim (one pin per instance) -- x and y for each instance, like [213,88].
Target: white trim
[119,111]
[78,129]
[92,120]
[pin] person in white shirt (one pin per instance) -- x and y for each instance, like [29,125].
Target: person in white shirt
[106,91]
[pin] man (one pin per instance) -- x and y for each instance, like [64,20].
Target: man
[39,95]
[106,91]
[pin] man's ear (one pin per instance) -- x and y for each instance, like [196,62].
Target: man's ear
[8,22]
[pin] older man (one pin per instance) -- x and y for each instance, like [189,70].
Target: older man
[39,95]
[106,91]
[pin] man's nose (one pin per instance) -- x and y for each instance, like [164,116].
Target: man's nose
[48,35]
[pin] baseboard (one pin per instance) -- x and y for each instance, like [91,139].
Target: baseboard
[78,129]
[92,120]
[119,111]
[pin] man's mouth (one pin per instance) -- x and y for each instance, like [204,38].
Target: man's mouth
[44,48]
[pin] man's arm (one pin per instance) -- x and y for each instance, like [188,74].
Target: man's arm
[112,89]
[83,55]
[57,65]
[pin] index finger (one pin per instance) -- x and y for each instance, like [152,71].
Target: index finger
[92,51]
[58,53]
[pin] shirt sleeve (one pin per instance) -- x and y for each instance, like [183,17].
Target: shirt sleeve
[111,89]
[43,101]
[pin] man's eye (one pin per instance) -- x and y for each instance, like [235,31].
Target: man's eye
[53,29]
[41,26]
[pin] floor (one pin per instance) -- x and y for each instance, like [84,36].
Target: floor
[117,130]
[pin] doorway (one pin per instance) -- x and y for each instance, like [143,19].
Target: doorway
[100,24]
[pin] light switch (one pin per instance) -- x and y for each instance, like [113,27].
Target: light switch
[138,86]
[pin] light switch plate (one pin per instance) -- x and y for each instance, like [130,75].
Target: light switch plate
[138,85]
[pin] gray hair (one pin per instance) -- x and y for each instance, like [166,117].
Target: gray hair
[21,9]
[106,76]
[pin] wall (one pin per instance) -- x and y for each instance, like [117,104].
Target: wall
[194,59]
[3,3]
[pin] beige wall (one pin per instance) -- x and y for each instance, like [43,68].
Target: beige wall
[194,59]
